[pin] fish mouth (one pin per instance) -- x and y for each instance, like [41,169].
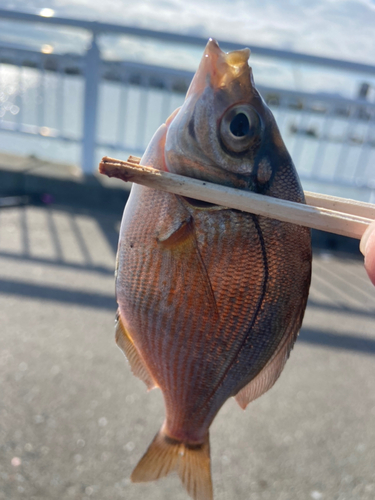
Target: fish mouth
[218,68]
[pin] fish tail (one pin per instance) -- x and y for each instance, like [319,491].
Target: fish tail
[190,461]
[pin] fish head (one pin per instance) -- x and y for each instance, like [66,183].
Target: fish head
[225,132]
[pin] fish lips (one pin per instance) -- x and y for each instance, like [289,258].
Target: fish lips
[218,69]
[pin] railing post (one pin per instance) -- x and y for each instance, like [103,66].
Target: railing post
[92,69]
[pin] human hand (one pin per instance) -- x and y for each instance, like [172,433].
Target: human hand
[367,247]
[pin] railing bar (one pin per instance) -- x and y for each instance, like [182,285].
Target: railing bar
[121,118]
[41,95]
[342,157]
[142,117]
[360,184]
[321,150]
[166,110]
[2,90]
[20,91]
[364,154]
[92,77]
[148,70]
[281,115]
[331,99]
[302,122]
[34,130]
[98,27]
[60,99]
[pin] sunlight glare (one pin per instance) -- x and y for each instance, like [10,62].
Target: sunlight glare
[47,12]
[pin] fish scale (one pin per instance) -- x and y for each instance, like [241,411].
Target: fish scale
[210,299]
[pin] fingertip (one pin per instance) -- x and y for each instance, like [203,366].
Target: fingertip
[368,235]
[367,247]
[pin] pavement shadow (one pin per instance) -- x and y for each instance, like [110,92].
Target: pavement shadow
[107,225]
[349,342]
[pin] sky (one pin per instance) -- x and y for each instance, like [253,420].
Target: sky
[341,29]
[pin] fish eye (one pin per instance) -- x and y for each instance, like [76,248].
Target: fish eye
[239,127]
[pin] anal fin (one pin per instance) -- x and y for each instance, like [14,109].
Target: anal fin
[136,363]
[267,377]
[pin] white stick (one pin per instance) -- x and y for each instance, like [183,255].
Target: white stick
[324,219]
[345,205]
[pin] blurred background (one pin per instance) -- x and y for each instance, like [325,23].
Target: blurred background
[81,79]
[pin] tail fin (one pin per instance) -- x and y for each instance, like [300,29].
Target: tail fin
[191,462]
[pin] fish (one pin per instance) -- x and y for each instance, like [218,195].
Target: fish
[210,299]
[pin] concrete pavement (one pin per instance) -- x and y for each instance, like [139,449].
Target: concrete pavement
[74,421]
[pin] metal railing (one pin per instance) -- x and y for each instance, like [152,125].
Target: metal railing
[106,106]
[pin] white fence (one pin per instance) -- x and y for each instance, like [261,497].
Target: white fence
[109,107]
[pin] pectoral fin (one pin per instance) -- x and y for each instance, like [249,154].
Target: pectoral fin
[176,234]
[267,377]
[137,365]
[176,226]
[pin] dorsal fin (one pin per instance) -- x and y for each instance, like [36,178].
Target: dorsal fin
[136,363]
